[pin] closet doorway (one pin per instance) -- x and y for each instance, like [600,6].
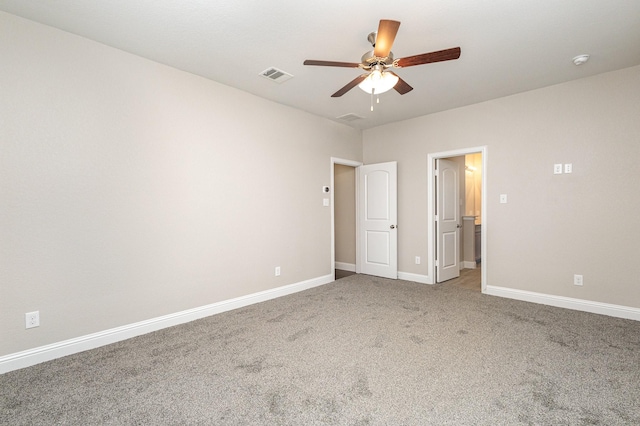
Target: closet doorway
[343,217]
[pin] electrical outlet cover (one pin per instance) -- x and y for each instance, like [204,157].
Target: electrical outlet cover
[32,319]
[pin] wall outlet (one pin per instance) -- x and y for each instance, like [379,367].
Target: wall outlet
[277,271]
[557,169]
[577,280]
[32,319]
[417,260]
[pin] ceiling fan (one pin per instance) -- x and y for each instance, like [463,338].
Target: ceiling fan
[379,79]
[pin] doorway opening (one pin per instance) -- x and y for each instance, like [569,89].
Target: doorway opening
[343,217]
[468,219]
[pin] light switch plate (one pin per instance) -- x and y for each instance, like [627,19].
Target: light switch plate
[568,168]
[503,198]
[325,202]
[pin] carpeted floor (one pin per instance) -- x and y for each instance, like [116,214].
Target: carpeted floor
[359,351]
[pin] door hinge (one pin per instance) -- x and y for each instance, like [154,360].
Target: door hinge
[435,172]
[436,217]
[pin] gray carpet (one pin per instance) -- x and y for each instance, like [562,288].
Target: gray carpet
[359,351]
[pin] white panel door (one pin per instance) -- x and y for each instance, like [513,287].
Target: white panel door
[377,204]
[447,220]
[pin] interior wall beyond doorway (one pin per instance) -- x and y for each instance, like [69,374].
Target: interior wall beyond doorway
[345,216]
[473,186]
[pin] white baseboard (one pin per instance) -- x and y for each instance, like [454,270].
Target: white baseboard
[617,311]
[467,264]
[422,279]
[351,267]
[52,351]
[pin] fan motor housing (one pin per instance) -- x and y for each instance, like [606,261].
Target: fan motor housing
[369,59]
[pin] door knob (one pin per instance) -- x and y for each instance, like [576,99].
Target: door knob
[392,227]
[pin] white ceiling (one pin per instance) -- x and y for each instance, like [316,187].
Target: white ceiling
[508,46]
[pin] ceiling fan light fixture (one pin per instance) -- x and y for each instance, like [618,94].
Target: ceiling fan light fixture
[378,82]
[377,61]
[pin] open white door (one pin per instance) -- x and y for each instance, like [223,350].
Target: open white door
[377,206]
[447,220]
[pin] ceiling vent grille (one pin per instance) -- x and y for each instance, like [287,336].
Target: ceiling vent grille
[274,74]
[349,117]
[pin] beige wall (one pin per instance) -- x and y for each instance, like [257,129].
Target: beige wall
[553,226]
[131,190]
[345,213]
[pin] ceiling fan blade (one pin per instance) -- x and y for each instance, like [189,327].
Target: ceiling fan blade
[353,83]
[331,63]
[387,31]
[426,58]
[401,86]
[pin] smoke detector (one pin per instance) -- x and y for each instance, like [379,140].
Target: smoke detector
[349,117]
[580,59]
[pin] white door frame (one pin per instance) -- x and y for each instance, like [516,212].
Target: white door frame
[431,202]
[354,164]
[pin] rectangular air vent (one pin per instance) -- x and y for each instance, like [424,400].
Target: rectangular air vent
[276,75]
[349,117]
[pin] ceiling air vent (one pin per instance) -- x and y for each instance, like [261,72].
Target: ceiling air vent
[349,117]
[276,75]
